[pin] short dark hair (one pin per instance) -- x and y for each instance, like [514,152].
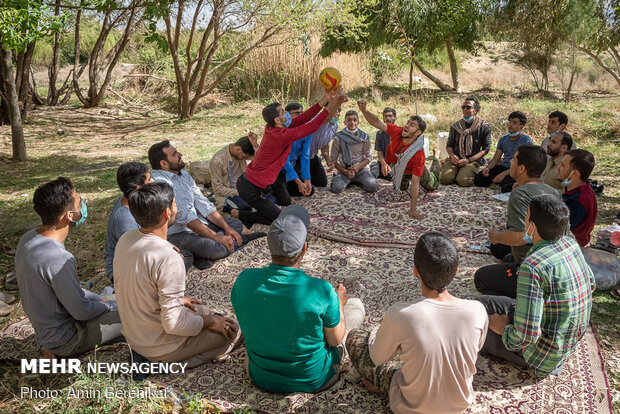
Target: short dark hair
[436,259]
[567,139]
[53,199]
[583,161]
[388,109]
[270,113]
[561,116]
[476,103]
[533,158]
[246,145]
[131,175]
[293,106]
[148,203]
[550,215]
[157,154]
[519,115]
[421,123]
[351,112]
[286,261]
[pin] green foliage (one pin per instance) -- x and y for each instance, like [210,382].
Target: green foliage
[90,28]
[422,25]
[386,62]
[23,22]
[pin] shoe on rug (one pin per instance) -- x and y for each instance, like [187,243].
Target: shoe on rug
[246,238]
[202,264]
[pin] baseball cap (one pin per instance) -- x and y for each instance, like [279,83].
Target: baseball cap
[289,231]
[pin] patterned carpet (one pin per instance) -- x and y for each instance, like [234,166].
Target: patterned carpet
[379,276]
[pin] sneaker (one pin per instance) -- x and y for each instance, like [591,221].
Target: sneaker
[246,238]
[202,264]
[136,358]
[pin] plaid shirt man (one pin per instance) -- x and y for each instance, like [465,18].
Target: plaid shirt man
[554,299]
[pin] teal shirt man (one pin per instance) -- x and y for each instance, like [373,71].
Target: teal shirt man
[282,312]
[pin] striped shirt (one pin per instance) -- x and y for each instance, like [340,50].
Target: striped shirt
[554,300]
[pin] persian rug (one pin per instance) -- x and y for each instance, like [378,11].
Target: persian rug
[375,265]
[381,218]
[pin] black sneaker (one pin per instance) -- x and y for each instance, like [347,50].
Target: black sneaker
[202,264]
[246,238]
[136,358]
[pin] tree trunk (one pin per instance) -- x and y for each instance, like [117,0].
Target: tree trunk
[598,60]
[4,107]
[410,90]
[429,75]
[454,69]
[52,70]
[17,131]
[22,79]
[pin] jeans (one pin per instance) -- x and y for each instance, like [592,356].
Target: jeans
[506,184]
[203,247]
[363,176]
[266,210]
[493,345]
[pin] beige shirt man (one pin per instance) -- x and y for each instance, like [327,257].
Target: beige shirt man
[550,175]
[225,171]
[359,152]
[438,343]
[149,282]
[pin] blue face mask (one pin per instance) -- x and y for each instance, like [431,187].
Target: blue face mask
[83,213]
[468,119]
[513,134]
[527,238]
[288,120]
[566,183]
[553,133]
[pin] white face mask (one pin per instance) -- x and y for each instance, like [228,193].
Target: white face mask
[353,131]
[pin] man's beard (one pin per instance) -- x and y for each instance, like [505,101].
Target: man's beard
[172,219]
[180,165]
[552,153]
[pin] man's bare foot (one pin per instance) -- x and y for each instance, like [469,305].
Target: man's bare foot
[47,354]
[436,153]
[245,230]
[234,213]
[370,386]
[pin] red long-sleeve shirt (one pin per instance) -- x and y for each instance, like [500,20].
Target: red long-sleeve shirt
[276,146]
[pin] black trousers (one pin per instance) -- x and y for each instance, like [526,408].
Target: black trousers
[266,210]
[498,279]
[493,345]
[500,251]
[318,177]
[506,184]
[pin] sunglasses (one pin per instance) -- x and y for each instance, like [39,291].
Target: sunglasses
[467,107]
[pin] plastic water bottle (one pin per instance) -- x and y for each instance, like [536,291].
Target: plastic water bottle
[108,290]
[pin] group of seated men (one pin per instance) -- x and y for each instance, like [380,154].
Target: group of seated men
[297,328]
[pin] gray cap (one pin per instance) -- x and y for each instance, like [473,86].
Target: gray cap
[289,231]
